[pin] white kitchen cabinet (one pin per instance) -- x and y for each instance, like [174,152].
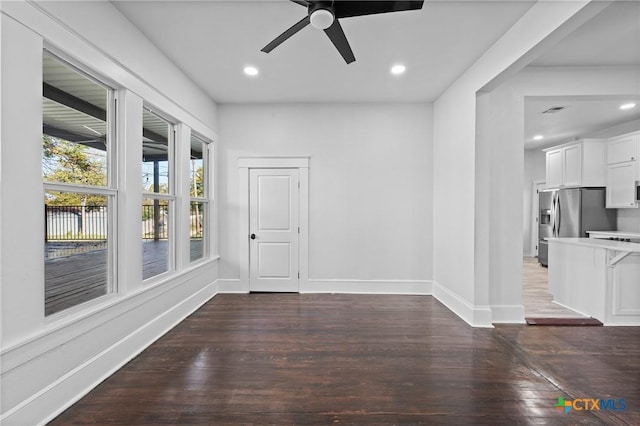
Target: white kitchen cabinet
[575,164]
[623,148]
[623,170]
[621,179]
[554,168]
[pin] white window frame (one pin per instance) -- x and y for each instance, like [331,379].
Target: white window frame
[110,190]
[170,197]
[206,198]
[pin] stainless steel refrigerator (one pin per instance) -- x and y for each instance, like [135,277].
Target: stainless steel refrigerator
[572,212]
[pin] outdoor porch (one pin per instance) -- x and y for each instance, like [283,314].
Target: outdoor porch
[76,272]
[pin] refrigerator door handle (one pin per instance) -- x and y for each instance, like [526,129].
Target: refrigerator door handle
[553,214]
[559,215]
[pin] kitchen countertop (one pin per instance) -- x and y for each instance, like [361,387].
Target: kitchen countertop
[615,234]
[599,243]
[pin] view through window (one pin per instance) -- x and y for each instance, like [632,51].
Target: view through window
[78,197]
[158,199]
[199,202]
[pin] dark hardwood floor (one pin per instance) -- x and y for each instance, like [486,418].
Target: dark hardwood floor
[364,359]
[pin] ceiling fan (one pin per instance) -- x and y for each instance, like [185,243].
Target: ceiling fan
[324,15]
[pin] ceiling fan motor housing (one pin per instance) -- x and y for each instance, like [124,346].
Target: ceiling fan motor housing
[321,15]
[326,15]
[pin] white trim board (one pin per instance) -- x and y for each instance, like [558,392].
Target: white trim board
[534,219]
[54,398]
[344,286]
[475,316]
[273,162]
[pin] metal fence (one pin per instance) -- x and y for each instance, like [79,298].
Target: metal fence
[155,222]
[69,223]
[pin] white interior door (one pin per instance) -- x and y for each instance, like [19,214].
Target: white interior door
[273,230]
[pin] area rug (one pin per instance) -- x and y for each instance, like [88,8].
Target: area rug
[564,321]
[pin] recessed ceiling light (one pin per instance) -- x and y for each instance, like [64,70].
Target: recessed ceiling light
[251,71]
[627,106]
[538,137]
[398,69]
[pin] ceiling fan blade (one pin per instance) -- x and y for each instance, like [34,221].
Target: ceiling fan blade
[301,2]
[339,40]
[347,9]
[288,33]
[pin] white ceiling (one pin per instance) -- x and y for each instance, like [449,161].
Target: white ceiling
[213,40]
[581,116]
[610,38]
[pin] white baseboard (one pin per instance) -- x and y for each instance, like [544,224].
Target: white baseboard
[476,316]
[417,287]
[507,314]
[231,285]
[54,398]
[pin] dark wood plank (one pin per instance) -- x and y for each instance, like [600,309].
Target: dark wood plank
[79,274]
[358,359]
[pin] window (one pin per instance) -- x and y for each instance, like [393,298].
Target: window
[158,201]
[77,147]
[199,198]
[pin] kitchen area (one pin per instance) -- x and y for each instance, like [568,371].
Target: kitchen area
[588,234]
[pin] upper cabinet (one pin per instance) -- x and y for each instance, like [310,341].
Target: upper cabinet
[623,148]
[623,170]
[579,163]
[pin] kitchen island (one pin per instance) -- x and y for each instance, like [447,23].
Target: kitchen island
[597,278]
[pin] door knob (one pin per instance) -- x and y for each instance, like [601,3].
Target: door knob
[253,236]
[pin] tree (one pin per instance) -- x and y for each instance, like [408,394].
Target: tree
[197,182]
[196,189]
[68,162]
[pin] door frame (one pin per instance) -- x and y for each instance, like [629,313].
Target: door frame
[535,215]
[245,164]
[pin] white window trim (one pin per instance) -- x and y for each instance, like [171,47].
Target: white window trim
[110,190]
[207,235]
[171,198]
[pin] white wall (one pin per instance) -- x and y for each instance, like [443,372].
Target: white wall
[485,289]
[370,186]
[629,220]
[47,363]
